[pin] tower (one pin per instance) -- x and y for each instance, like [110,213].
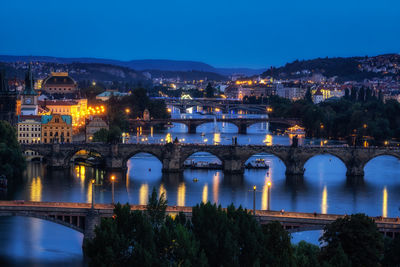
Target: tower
[29,98]
[8,101]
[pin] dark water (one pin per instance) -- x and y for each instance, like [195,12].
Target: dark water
[29,241]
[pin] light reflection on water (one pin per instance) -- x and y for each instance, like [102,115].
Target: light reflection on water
[324,189]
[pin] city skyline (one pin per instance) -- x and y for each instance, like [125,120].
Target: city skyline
[223,34]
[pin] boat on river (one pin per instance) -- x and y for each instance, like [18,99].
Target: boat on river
[206,165]
[257,164]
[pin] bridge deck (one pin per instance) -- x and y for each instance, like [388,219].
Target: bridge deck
[263,215]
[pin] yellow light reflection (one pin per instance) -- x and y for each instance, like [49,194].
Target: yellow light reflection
[268,140]
[384,203]
[89,192]
[36,189]
[264,197]
[151,131]
[162,190]
[324,204]
[143,194]
[168,138]
[217,138]
[205,193]
[181,194]
[216,187]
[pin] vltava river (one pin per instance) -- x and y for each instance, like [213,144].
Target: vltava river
[29,241]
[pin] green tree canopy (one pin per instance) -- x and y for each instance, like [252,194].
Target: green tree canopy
[358,236]
[12,162]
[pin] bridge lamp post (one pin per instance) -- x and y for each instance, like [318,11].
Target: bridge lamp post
[112,186]
[93,181]
[254,200]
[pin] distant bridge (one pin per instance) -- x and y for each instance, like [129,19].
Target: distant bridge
[224,105]
[82,218]
[241,123]
[232,157]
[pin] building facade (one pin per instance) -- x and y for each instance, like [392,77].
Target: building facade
[59,83]
[29,129]
[93,126]
[56,129]
[76,108]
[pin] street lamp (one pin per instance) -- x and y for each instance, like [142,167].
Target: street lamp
[93,181]
[254,200]
[112,186]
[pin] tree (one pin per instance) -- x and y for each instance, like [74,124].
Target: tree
[156,208]
[359,238]
[361,94]
[101,136]
[392,252]
[308,96]
[113,135]
[12,162]
[278,250]
[346,94]
[306,254]
[213,230]
[209,91]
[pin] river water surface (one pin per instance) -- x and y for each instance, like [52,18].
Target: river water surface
[29,241]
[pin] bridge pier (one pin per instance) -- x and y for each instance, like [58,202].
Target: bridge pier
[233,166]
[242,128]
[171,161]
[92,219]
[191,128]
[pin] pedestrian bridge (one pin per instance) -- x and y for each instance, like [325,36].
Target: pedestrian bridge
[82,218]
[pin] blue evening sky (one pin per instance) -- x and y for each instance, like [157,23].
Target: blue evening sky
[223,33]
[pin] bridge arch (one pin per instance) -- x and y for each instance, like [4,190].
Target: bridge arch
[220,125]
[251,154]
[77,224]
[186,156]
[339,157]
[132,154]
[75,151]
[381,154]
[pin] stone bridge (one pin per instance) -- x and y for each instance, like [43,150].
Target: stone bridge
[241,123]
[82,218]
[233,157]
[224,105]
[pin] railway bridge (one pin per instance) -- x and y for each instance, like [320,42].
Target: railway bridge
[233,157]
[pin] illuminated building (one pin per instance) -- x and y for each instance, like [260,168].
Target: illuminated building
[94,125]
[56,129]
[29,129]
[318,97]
[77,109]
[59,83]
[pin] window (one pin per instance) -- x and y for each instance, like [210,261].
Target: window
[45,133]
[51,133]
[67,133]
[45,140]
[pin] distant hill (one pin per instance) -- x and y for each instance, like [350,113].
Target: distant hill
[345,69]
[140,65]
